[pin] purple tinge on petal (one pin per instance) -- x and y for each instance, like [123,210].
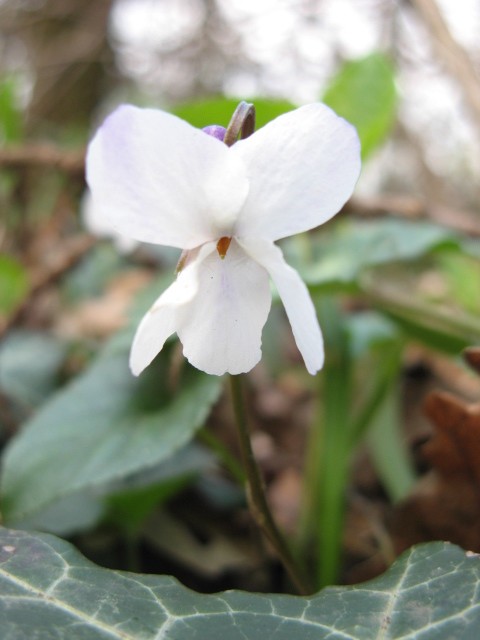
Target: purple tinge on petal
[216,131]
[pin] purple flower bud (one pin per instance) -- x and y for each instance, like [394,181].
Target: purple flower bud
[216,131]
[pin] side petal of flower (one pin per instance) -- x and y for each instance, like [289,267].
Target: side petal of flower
[162,181]
[162,319]
[302,168]
[295,298]
[221,327]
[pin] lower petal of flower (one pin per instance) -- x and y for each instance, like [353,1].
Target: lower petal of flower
[221,326]
[161,320]
[295,298]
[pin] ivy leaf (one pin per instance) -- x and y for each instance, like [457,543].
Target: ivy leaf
[47,588]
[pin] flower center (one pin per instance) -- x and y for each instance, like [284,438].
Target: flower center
[222,246]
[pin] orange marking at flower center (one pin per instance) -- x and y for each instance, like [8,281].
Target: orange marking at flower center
[222,246]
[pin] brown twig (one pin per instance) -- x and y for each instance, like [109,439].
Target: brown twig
[453,54]
[43,155]
[375,206]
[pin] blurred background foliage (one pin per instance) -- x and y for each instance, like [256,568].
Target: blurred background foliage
[144,472]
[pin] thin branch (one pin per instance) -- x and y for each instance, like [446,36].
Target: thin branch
[43,155]
[374,206]
[453,54]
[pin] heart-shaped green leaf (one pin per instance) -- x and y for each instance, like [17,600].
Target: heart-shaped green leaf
[364,93]
[104,426]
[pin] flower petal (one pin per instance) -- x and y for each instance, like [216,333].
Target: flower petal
[221,327]
[161,320]
[100,226]
[302,168]
[295,298]
[160,180]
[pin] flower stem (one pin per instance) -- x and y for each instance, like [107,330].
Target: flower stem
[256,494]
[241,124]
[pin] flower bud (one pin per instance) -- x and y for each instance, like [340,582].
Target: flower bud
[215,130]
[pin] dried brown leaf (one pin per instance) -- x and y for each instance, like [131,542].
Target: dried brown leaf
[455,447]
[445,504]
[472,356]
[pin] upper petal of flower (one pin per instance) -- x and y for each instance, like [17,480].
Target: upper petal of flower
[161,320]
[295,298]
[98,225]
[302,168]
[221,327]
[160,180]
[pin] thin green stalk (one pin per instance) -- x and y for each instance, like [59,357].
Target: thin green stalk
[229,461]
[334,466]
[388,449]
[256,494]
[327,466]
[385,375]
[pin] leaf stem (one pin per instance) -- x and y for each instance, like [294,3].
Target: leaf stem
[256,494]
[228,460]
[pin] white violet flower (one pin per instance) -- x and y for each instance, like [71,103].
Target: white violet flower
[98,225]
[160,180]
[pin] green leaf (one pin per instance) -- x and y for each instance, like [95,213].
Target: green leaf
[29,366]
[447,332]
[388,447]
[47,589]
[368,330]
[71,514]
[462,273]
[341,257]
[219,111]
[10,115]
[355,256]
[440,325]
[364,93]
[134,498]
[13,284]
[105,425]
[90,277]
